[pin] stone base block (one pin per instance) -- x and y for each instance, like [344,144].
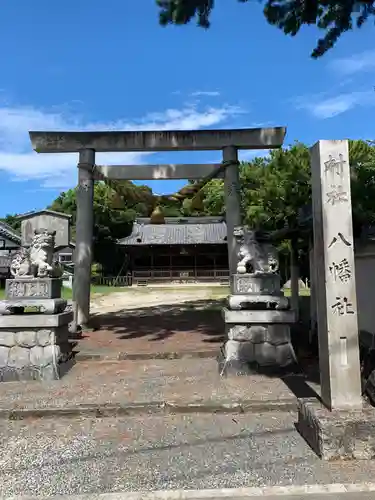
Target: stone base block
[255,283]
[337,434]
[258,317]
[258,302]
[42,306]
[233,359]
[241,358]
[33,288]
[258,334]
[34,347]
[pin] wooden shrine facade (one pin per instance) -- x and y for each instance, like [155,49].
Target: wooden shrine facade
[191,249]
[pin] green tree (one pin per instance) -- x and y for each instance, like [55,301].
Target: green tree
[12,222]
[115,208]
[332,17]
[276,187]
[362,162]
[213,198]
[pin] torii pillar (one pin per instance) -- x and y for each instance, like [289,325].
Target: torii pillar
[232,202]
[84,237]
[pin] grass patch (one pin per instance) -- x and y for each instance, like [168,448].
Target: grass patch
[68,294]
[304,292]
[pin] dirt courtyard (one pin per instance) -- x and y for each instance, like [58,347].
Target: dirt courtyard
[156,322]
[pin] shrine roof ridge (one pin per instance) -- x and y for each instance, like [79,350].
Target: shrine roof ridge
[176,234]
[208,219]
[154,141]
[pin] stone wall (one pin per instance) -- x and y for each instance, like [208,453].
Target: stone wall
[33,353]
[263,345]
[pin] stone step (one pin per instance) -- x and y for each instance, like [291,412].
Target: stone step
[116,387]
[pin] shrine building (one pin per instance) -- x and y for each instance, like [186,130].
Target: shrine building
[181,249]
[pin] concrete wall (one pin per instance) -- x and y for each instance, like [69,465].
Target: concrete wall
[365,280]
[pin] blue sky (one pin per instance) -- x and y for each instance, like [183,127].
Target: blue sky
[95,65]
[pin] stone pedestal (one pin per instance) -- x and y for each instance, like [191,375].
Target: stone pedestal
[42,306]
[338,434]
[34,346]
[257,325]
[258,339]
[41,295]
[33,288]
[258,284]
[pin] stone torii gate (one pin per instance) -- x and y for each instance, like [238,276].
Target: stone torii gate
[88,143]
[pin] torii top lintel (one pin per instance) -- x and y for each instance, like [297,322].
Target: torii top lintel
[178,140]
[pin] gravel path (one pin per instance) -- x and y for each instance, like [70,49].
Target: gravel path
[131,454]
[133,299]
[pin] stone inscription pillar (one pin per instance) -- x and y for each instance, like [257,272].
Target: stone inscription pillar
[84,236]
[335,276]
[232,203]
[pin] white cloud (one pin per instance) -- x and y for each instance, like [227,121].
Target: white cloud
[59,170]
[201,93]
[356,63]
[327,107]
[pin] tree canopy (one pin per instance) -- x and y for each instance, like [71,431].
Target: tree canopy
[332,17]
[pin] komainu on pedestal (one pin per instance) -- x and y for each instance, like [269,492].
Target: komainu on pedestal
[258,316]
[34,323]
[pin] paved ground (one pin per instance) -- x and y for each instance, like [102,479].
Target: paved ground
[157,450]
[156,322]
[369,495]
[183,382]
[83,455]
[174,329]
[308,496]
[335,496]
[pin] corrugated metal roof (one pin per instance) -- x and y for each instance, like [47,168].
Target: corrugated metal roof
[176,234]
[7,232]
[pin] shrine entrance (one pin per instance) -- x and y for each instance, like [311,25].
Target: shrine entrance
[183,320]
[88,143]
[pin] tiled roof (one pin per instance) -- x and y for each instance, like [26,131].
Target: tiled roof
[183,220]
[7,232]
[176,234]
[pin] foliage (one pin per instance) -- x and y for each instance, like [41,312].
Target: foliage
[12,221]
[362,162]
[333,17]
[276,187]
[114,214]
[273,190]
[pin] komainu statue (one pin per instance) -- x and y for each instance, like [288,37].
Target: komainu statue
[254,257]
[37,261]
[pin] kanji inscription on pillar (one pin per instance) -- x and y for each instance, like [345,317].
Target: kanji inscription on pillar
[233,188]
[335,271]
